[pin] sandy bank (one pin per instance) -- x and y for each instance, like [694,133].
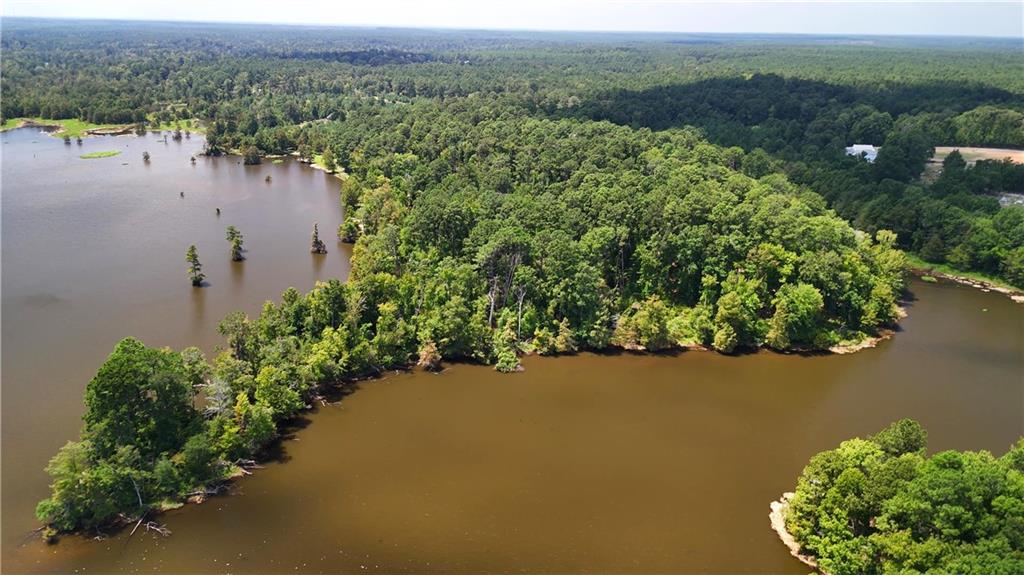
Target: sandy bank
[340,174]
[870,342]
[778,522]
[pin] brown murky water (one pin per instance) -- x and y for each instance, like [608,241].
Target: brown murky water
[586,464]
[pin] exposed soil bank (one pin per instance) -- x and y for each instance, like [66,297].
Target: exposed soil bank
[58,128]
[116,131]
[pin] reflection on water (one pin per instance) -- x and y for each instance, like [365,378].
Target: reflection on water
[238,278]
[620,463]
[198,308]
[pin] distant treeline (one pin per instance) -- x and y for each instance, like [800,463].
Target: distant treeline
[791,105]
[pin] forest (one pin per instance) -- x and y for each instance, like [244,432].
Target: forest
[513,193]
[793,103]
[882,505]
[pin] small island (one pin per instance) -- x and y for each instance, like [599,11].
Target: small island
[882,505]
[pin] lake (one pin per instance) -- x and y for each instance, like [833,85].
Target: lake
[590,463]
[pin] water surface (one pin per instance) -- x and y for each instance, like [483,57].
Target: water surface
[586,464]
[94,250]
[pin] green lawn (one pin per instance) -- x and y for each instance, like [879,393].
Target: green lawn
[318,161]
[103,154]
[188,125]
[75,128]
[69,127]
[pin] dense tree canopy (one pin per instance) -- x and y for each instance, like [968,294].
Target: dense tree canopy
[790,104]
[881,505]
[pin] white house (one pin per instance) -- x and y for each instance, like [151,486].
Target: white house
[870,152]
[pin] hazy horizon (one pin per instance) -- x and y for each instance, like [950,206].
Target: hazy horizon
[768,17]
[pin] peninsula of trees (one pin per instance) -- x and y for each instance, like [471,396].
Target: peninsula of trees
[597,236]
[881,505]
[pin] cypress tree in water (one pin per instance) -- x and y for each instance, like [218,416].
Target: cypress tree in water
[235,237]
[318,247]
[195,269]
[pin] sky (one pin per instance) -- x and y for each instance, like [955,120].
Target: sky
[1003,18]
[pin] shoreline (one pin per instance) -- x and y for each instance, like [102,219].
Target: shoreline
[866,343]
[777,518]
[222,486]
[873,341]
[1015,295]
[59,129]
[339,174]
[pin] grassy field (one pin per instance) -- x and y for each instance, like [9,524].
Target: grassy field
[73,128]
[971,155]
[915,263]
[103,154]
[188,125]
[318,161]
[76,128]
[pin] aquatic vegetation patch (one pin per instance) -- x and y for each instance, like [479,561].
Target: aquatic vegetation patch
[101,154]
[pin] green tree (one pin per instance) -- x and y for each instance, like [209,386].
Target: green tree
[275,388]
[235,238]
[506,344]
[251,156]
[953,162]
[797,317]
[318,246]
[195,269]
[736,321]
[646,327]
[328,160]
[140,397]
